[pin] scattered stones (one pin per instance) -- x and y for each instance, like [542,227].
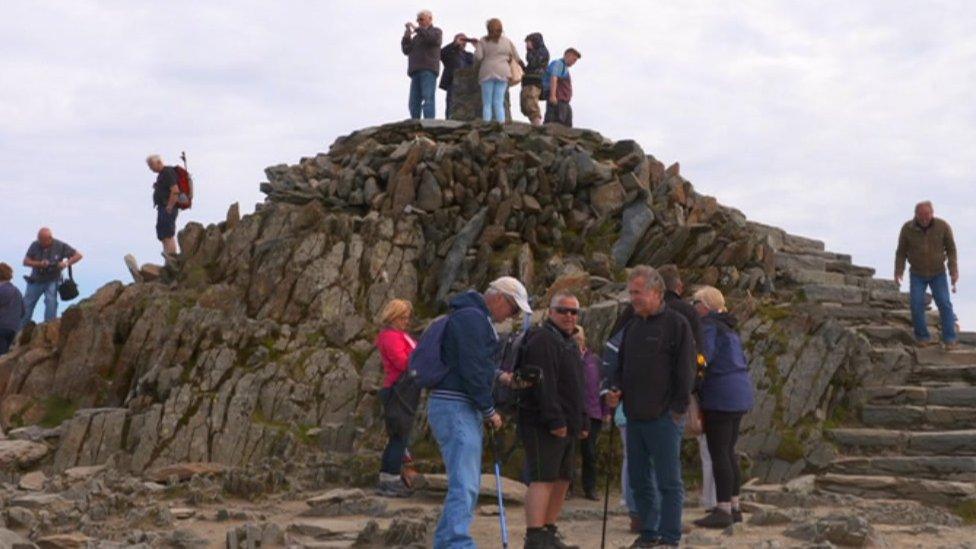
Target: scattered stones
[844,530]
[75,540]
[12,540]
[512,490]
[20,454]
[185,471]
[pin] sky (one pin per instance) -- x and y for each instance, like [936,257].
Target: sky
[829,119]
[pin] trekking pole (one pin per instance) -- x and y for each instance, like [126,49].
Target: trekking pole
[183,158]
[606,489]
[498,487]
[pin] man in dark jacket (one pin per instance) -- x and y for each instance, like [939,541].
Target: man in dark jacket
[421,43]
[551,418]
[654,380]
[454,57]
[674,288]
[166,192]
[536,63]
[926,242]
[459,405]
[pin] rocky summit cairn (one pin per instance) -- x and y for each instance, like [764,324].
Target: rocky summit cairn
[255,347]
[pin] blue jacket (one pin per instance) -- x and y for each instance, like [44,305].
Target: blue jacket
[727,386]
[470,344]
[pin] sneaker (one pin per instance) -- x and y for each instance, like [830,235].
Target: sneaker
[716,519]
[392,489]
[555,540]
[736,515]
[642,542]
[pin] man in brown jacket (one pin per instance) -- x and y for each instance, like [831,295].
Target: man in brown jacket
[421,43]
[927,243]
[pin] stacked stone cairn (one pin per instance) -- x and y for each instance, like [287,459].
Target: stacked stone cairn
[257,345]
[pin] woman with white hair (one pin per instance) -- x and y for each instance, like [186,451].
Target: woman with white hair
[726,394]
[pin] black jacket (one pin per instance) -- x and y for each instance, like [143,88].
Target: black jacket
[165,181]
[687,310]
[537,61]
[657,365]
[558,400]
[453,58]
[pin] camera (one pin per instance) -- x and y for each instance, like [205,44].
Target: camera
[526,376]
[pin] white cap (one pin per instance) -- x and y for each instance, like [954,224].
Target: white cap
[514,289]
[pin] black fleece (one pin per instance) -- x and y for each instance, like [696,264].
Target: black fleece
[557,401]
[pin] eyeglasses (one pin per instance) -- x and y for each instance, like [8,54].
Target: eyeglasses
[566,311]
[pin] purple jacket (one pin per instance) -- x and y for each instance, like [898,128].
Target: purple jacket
[595,408]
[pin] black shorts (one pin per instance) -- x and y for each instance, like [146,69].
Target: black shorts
[548,457]
[166,223]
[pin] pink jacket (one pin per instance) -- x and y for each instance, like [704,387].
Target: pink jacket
[395,347]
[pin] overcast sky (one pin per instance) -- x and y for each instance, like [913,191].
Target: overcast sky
[830,119]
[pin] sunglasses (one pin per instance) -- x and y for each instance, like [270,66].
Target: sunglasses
[566,311]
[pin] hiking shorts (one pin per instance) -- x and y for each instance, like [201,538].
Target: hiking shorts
[166,223]
[529,100]
[548,457]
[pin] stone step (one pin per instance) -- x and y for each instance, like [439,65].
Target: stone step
[938,492]
[810,276]
[865,440]
[935,355]
[967,338]
[843,294]
[954,372]
[888,334]
[918,417]
[922,396]
[955,468]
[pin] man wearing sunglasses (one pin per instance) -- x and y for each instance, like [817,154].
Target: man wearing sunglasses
[421,43]
[552,417]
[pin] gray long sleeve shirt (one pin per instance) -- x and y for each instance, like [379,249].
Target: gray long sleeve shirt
[423,50]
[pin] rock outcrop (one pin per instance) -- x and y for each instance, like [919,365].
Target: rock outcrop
[258,343]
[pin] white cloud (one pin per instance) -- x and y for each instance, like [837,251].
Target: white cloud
[829,119]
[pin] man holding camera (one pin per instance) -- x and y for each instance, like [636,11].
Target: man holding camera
[47,257]
[421,44]
[654,380]
[551,418]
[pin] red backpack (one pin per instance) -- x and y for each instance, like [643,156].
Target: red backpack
[185,183]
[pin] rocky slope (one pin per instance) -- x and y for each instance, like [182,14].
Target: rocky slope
[257,344]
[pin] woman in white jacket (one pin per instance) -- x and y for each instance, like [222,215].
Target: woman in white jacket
[495,53]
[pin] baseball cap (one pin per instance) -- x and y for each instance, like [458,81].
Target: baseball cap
[514,289]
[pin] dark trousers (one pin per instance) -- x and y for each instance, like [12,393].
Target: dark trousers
[560,113]
[654,467]
[449,102]
[589,457]
[6,339]
[722,432]
[396,445]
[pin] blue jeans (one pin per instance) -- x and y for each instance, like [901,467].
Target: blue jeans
[493,93]
[34,292]
[625,477]
[422,87]
[458,428]
[654,466]
[940,294]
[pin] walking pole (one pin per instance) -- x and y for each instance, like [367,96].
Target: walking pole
[606,490]
[183,158]
[498,487]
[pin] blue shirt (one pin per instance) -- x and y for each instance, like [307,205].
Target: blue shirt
[558,69]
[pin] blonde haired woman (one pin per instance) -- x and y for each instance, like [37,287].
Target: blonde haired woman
[495,52]
[726,395]
[395,346]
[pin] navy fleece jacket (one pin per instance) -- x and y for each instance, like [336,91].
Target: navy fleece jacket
[470,343]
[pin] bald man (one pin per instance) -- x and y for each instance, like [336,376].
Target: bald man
[47,257]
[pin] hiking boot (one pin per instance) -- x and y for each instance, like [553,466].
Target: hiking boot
[644,542]
[391,486]
[716,519]
[736,515]
[536,538]
[555,540]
